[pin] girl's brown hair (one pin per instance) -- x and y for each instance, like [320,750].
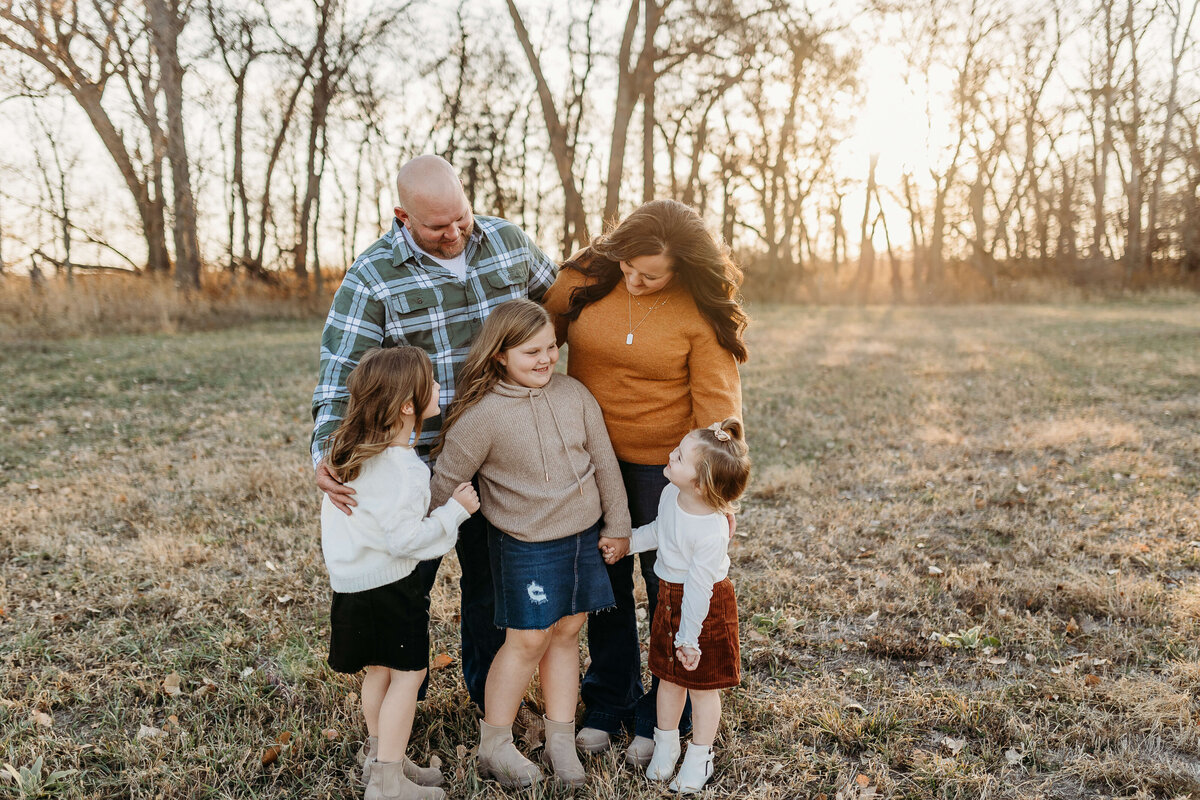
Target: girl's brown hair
[384,380]
[724,464]
[700,262]
[510,325]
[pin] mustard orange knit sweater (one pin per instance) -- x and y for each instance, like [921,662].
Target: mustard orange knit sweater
[673,378]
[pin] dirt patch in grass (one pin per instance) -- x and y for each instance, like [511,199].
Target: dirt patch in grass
[968,566]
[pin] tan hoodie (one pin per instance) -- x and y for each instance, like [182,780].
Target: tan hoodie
[546,467]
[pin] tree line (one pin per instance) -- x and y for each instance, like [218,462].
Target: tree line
[259,139]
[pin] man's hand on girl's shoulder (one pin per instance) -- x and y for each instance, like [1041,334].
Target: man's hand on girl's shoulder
[339,494]
[613,550]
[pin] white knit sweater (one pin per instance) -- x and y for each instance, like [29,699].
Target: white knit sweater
[388,532]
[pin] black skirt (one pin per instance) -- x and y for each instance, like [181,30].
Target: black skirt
[383,627]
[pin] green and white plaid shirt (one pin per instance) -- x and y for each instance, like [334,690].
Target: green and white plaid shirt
[395,296]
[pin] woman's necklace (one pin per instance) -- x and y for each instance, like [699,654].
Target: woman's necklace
[660,302]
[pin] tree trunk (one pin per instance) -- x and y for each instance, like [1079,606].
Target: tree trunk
[574,220]
[165,24]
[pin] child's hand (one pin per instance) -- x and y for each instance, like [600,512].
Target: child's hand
[466,497]
[688,656]
[613,550]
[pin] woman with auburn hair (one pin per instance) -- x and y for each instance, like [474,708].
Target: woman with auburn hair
[651,313]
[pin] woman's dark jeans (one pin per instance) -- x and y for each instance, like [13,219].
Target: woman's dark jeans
[612,689]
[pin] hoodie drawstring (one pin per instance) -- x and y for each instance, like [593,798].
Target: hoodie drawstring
[563,439]
[537,427]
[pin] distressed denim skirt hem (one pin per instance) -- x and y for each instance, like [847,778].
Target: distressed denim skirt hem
[539,583]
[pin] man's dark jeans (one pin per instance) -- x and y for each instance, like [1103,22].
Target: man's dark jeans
[612,690]
[481,639]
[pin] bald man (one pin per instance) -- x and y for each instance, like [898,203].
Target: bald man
[430,282]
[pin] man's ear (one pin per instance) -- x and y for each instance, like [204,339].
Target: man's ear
[401,215]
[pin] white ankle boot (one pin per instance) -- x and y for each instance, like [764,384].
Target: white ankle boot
[697,768]
[666,753]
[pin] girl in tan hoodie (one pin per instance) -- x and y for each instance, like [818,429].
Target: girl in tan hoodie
[552,494]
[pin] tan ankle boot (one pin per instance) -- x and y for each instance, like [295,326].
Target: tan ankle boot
[388,782]
[500,760]
[560,753]
[366,754]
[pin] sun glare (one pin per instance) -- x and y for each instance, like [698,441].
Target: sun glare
[892,123]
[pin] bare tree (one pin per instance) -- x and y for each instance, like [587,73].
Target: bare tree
[82,49]
[167,19]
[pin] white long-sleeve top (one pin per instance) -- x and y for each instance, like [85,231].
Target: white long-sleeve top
[388,531]
[692,550]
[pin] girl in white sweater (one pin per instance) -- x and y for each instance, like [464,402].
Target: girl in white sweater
[380,613]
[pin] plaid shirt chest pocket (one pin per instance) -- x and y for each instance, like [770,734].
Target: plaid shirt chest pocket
[411,313]
[508,281]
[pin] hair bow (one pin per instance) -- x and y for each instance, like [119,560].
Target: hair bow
[721,434]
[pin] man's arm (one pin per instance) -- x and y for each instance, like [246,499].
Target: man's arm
[354,325]
[542,270]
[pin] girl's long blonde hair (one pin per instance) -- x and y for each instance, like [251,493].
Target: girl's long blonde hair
[384,380]
[724,465]
[510,325]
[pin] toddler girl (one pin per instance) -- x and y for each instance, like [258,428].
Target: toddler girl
[694,634]
[380,614]
[551,491]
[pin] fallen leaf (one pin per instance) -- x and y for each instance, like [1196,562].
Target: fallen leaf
[272,752]
[247,672]
[435,762]
[270,566]
[148,732]
[43,719]
[1013,757]
[283,601]
[872,618]
[998,660]
[1072,626]
[863,780]
[1092,680]
[330,734]
[173,721]
[442,660]
[205,689]
[955,746]
[934,570]
[170,685]
[924,663]
[1022,488]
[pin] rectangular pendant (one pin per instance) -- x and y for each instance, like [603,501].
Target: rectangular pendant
[629,339]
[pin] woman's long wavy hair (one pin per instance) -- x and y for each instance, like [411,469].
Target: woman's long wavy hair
[700,261]
[384,380]
[510,325]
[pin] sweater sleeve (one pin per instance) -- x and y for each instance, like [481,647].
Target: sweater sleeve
[464,450]
[644,538]
[713,376]
[411,534]
[702,573]
[613,502]
[558,299]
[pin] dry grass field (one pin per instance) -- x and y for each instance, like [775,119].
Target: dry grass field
[969,565]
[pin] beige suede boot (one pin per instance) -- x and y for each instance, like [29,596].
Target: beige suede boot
[560,753]
[388,782]
[500,760]
[366,754]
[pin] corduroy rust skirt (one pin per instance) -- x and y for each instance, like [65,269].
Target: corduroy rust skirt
[720,653]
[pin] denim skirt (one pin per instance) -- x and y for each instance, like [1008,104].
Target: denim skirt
[539,583]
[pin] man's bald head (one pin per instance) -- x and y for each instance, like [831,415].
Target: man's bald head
[433,206]
[424,179]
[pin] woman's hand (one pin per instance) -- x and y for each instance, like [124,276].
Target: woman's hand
[467,497]
[613,550]
[340,495]
[688,656]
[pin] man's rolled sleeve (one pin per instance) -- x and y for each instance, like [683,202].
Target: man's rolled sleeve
[354,325]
